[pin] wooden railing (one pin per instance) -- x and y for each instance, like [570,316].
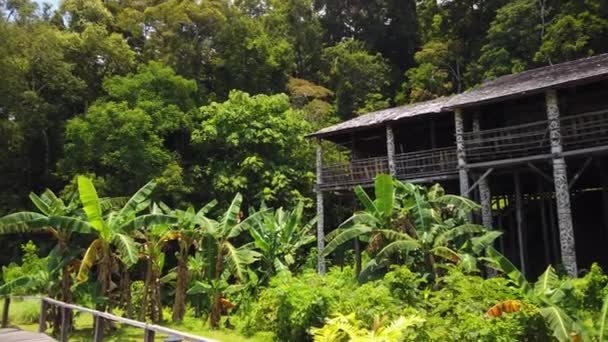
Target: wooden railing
[508,142]
[150,330]
[411,165]
[360,171]
[427,163]
[585,130]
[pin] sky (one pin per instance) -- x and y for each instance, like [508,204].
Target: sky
[55,3]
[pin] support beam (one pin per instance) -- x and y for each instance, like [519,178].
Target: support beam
[540,173]
[562,191]
[481,179]
[320,212]
[580,172]
[460,152]
[390,150]
[519,219]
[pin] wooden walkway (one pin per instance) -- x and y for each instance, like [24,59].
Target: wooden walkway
[16,335]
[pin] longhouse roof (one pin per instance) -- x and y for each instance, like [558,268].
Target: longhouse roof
[384,116]
[534,81]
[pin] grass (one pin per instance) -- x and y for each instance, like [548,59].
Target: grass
[24,314]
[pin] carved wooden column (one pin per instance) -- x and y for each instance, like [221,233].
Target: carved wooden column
[320,212]
[460,153]
[562,191]
[390,150]
[484,188]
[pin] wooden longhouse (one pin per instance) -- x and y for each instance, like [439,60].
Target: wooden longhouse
[532,148]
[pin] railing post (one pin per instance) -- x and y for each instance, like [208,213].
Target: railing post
[320,212]
[460,152]
[7,304]
[64,325]
[42,320]
[390,150]
[562,190]
[149,335]
[98,335]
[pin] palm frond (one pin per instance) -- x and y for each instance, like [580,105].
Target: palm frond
[385,194]
[91,205]
[139,197]
[89,259]
[21,222]
[367,203]
[456,232]
[127,248]
[480,243]
[42,205]
[560,323]
[346,235]
[509,269]
[148,221]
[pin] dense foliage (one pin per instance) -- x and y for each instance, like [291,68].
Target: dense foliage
[424,276]
[81,80]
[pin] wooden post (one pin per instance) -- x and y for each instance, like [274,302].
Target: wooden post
[562,191]
[7,304]
[98,334]
[601,164]
[149,335]
[42,320]
[543,221]
[484,188]
[390,150]
[433,134]
[64,325]
[320,213]
[519,218]
[460,153]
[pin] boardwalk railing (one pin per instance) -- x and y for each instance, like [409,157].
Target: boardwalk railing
[100,317]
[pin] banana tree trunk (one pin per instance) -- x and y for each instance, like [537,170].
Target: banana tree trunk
[144,304]
[179,307]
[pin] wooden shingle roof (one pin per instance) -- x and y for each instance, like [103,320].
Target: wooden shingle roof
[534,81]
[382,117]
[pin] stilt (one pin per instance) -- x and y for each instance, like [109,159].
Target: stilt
[320,213]
[484,188]
[519,219]
[390,151]
[601,164]
[460,153]
[553,229]
[543,222]
[562,191]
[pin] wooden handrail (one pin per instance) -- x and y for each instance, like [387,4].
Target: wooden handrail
[149,329]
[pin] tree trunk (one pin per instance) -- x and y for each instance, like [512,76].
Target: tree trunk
[179,307]
[144,304]
[216,311]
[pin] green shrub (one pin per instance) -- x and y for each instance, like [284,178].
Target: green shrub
[291,305]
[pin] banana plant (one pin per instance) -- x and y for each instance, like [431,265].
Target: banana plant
[546,295]
[222,254]
[279,235]
[406,218]
[187,231]
[114,247]
[60,221]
